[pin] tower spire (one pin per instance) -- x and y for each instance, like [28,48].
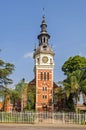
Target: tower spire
[43,24]
[43,36]
[43,12]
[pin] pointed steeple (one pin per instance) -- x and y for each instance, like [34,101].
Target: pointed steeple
[43,25]
[43,36]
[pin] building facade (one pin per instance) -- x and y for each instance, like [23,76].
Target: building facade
[44,70]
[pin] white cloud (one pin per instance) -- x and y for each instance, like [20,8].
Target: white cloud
[28,55]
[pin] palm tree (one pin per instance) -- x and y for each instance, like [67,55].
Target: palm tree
[74,84]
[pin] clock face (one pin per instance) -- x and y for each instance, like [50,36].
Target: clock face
[45,59]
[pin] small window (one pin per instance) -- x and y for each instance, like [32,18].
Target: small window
[44,46]
[48,76]
[44,75]
[44,88]
[44,39]
[41,40]
[41,76]
[51,61]
[44,96]
[38,60]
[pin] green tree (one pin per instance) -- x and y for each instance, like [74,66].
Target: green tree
[14,96]
[73,64]
[31,97]
[75,83]
[59,98]
[5,70]
[20,91]
[72,84]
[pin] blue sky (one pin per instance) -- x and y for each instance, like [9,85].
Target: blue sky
[20,24]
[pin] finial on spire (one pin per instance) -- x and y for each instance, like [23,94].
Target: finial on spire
[43,13]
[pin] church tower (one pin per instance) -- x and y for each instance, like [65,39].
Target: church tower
[43,69]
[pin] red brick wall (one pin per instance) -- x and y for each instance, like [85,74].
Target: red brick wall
[44,98]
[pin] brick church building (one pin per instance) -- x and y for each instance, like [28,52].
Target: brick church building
[44,71]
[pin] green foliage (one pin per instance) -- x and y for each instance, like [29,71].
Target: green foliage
[14,96]
[73,64]
[75,83]
[59,92]
[5,70]
[70,103]
[31,97]
[19,92]
[20,87]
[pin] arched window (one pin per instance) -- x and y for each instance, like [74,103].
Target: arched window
[44,96]
[44,75]
[47,75]
[44,39]
[44,88]
[41,76]
[41,40]
[38,60]
[51,61]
